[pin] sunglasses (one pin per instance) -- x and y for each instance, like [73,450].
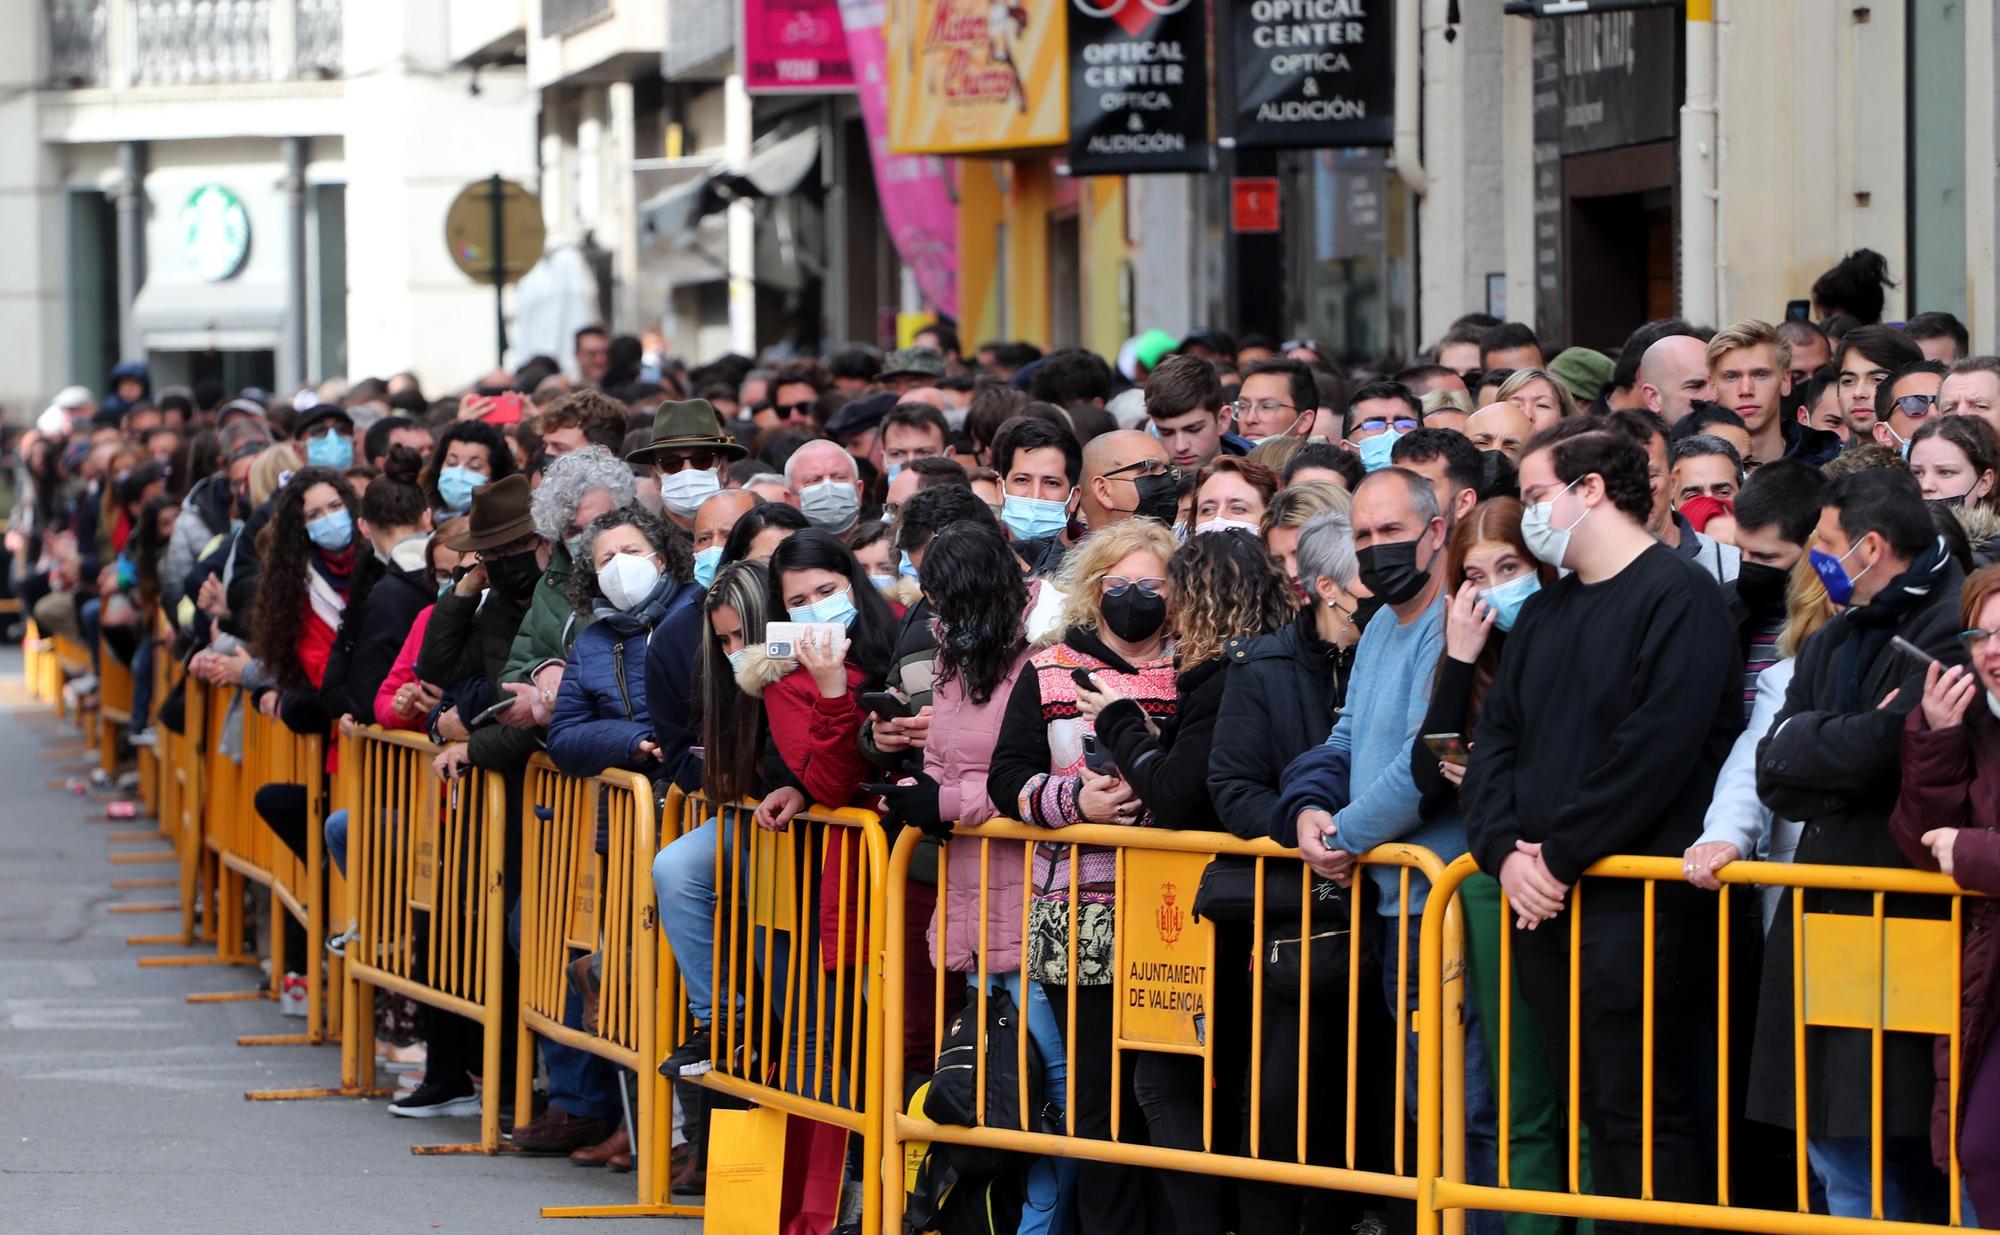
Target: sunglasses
[699,460]
[1118,585]
[793,411]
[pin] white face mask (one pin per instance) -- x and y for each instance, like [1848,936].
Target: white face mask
[684,491]
[628,579]
[1544,540]
[1220,524]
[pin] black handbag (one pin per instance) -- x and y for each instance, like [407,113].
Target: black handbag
[1228,894]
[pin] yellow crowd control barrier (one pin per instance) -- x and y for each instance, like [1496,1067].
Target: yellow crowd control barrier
[426,895]
[39,665]
[1163,975]
[1874,972]
[114,705]
[799,915]
[583,900]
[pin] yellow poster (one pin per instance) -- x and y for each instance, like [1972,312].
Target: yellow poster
[1166,976]
[973,76]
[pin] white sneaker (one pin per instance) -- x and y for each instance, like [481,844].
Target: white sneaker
[435,1102]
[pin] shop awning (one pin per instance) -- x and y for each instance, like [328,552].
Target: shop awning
[188,315]
[775,169]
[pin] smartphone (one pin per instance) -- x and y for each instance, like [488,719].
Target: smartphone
[490,713]
[1912,650]
[1083,679]
[1096,758]
[1450,747]
[886,704]
[1798,310]
[782,639]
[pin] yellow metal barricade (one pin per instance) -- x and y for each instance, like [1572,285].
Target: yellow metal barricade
[151,758]
[114,705]
[38,665]
[425,892]
[798,915]
[73,660]
[1164,983]
[578,903]
[1876,972]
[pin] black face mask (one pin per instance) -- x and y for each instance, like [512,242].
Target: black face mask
[1365,609]
[1159,498]
[1762,588]
[1391,572]
[1134,616]
[1955,502]
[515,575]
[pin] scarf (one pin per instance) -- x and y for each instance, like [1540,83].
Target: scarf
[1875,623]
[326,585]
[640,619]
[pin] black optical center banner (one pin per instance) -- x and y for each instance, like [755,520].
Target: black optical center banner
[1138,86]
[1309,72]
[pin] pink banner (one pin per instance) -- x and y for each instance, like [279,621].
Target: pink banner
[794,45]
[915,190]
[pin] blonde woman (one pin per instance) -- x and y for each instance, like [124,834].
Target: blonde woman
[1114,632]
[1541,397]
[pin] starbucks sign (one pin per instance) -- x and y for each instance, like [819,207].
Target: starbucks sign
[215,231]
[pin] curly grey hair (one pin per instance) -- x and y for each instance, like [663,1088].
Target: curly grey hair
[672,544]
[1326,550]
[565,482]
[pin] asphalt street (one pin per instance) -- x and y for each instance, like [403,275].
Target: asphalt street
[123,1103]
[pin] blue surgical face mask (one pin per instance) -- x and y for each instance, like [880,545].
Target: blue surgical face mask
[1031,518]
[837,609]
[330,449]
[455,486]
[882,583]
[894,470]
[1506,599]
[735,659]
[906,568]
[332,531]
[1375,451]
[1832,572]
[706,563]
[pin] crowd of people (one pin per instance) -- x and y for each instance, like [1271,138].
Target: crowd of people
[1726,595]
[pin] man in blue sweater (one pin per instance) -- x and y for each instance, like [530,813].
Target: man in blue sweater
[1355,792]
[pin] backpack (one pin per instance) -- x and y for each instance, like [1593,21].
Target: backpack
[965,1189]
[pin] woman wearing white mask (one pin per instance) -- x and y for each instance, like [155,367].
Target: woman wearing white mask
[633,576]
[1231,493]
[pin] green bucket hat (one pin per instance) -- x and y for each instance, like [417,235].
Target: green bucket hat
[690,424]
[1582,370]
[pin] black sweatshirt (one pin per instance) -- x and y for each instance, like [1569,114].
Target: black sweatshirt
[1614,708]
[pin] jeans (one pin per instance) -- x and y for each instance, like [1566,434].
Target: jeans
[1050,1183]
[684,887]
[1908,1178]
[142,686]
[579,1082]
[336,839]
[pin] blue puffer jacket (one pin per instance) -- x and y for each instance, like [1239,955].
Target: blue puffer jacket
[601,712]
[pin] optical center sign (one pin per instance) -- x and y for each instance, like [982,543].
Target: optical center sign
[1138,86]
[1308,72]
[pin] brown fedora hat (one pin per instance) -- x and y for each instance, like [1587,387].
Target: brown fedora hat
[499,516]
[689,424]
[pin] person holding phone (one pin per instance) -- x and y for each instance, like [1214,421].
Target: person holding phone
[1489,575]
[1115,622]
[1832,761]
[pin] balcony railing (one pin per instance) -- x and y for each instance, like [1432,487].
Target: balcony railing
[561,17]
[191,42]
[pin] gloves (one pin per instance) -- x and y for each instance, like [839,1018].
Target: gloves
[913,804]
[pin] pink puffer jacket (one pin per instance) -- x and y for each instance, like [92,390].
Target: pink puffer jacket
[962,737]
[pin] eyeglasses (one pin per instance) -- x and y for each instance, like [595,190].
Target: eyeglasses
[1147,467]
[1382,424]
[1973,640]
[699,460]
[1916,407]
[1118,585]
[1243,407]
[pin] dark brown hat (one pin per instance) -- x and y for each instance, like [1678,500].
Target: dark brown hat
[689,424]
[499,516]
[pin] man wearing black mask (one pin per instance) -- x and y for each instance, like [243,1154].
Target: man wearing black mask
[1127,473]
[1775,515]
[1355,791]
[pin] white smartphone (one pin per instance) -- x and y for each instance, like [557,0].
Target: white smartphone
[781,639]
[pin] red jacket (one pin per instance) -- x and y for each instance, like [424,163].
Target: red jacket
[820,741]
[1951,779]
[402,674]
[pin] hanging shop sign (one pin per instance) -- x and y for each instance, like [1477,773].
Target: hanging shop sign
[1138,87]
[1308,72]
[795,45]
[215,229]
[973,76]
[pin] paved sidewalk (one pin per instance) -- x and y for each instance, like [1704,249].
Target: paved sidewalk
[124,1103]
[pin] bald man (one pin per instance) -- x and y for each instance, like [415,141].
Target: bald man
[712,522]
[1501,426]
[1127,473]
[1673,374]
